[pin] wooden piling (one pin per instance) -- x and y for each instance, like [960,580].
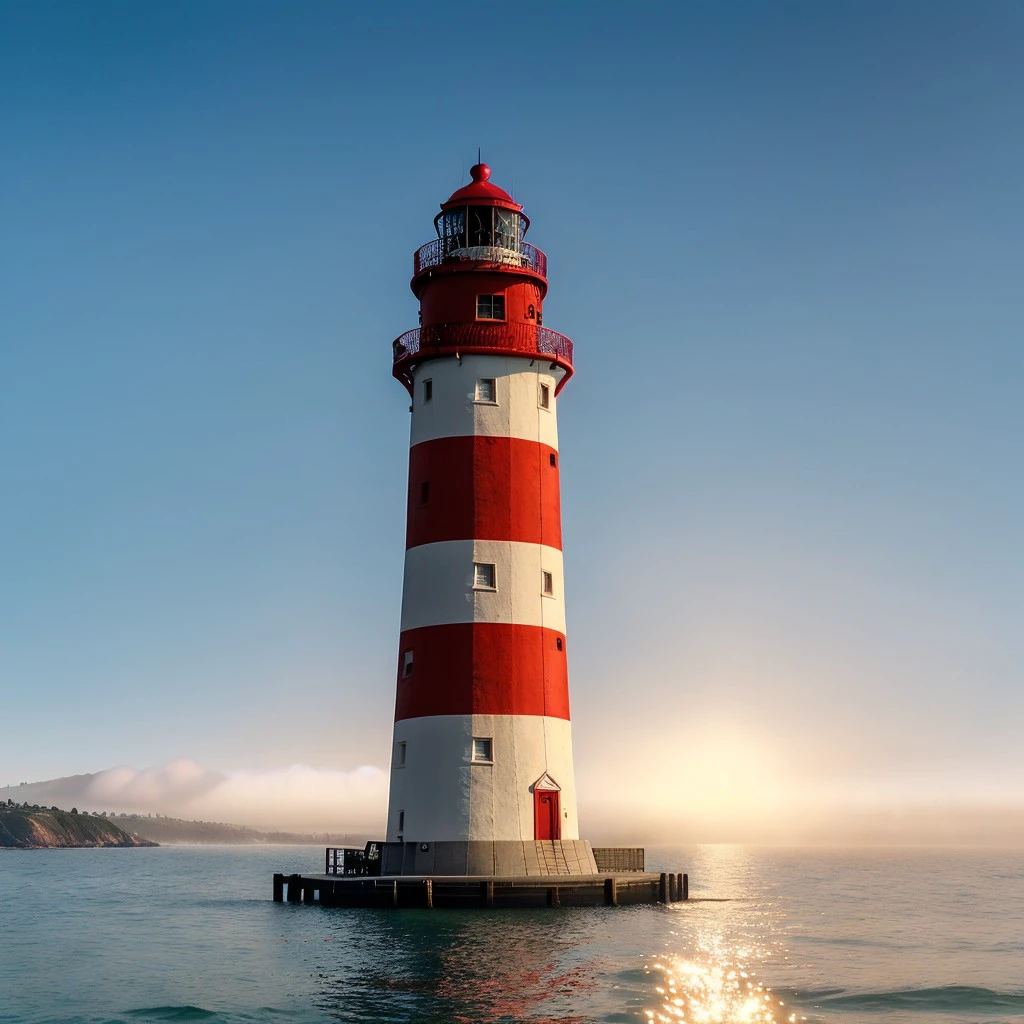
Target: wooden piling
[554,897]
[294,889]
[278,888]
[611,894]
[487,893]
[663,894]
[686,886]
[308,892]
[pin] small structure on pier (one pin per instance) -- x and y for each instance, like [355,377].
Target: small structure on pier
[483,807]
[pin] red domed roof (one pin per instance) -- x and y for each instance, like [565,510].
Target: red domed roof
[481,192]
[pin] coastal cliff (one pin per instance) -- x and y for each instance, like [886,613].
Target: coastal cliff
[41,829]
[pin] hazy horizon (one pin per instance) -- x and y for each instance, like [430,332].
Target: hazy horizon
[304,799]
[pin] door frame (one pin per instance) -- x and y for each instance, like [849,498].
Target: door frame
[554,814]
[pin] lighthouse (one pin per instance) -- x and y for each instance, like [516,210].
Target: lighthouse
[482,778]
[482,807]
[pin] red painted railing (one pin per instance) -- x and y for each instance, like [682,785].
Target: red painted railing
[529,256]
[525,338]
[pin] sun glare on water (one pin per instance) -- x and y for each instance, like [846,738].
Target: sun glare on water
[714,993]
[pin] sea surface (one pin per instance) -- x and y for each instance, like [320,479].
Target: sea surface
[191,934]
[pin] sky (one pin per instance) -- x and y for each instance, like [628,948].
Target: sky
[786,241]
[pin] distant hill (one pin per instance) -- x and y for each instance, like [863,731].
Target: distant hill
[168,831]
[67,791]
[39,828]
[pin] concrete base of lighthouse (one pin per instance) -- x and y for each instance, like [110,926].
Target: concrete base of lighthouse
[542,857]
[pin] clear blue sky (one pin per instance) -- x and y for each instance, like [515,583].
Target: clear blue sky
[786,238]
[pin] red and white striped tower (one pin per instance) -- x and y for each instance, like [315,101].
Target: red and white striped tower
[482,775]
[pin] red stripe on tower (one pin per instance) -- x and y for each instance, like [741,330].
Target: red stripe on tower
[493,488]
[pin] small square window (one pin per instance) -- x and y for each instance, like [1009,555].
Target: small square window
[548,583]
[486,390]
[482,749]
[484,576]
[553,459]
[558,642]
[424,492]
[490,307]
[406,664]
[428,389]
[401,821]
[545,396]
[400,754]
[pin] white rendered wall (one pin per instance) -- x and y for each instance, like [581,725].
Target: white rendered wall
[439,584]
[454,412]
[446,796]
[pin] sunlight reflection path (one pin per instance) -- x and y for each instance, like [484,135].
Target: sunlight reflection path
[715,986]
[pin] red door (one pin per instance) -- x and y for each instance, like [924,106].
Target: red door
[547,818]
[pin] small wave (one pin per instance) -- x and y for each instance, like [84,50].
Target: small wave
[947,998]
[172,1013]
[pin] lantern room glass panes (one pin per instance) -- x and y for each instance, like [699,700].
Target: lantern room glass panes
[451,229]
[481,228]
[505,224]
[478,227]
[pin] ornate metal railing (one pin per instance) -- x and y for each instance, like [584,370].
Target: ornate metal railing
[526,338]
[434,253]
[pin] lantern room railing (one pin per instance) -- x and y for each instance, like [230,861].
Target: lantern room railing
[433,254]
[525,338]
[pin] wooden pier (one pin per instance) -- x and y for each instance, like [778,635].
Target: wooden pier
[474,891]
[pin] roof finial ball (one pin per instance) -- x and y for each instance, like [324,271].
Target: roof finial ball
[479,172]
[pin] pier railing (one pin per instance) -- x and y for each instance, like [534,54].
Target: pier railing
[348,860]
[619,858]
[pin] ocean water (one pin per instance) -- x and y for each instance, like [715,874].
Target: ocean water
[190,934]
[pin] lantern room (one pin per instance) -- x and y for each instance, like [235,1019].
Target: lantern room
[480,284]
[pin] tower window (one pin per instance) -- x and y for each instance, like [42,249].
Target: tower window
[424,492]
[428,389]
[483,749]
[547,583]
[486,390]
[545,396]
[401,821]
[490,307]
[558,642]
[484,576]
[406,664]
[400,754]
[553,459]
